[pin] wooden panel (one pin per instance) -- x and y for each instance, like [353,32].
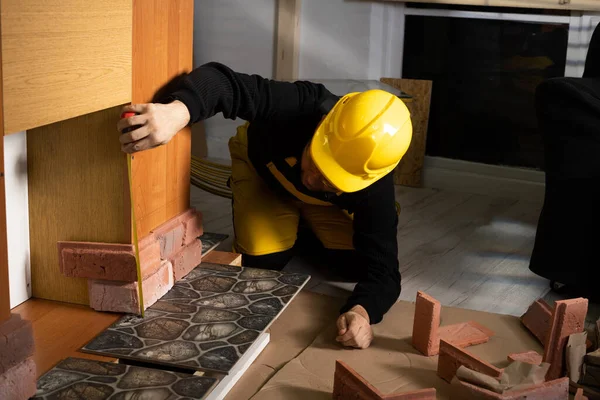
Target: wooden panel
[162,49]
[288,38]
[4,284]
[64,58]
[76,178]
[60,330]
[542,4]
[409,171]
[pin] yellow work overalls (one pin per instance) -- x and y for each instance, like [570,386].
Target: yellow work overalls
[266,223]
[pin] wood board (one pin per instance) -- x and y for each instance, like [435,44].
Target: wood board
[410,170]
[76,175]
[162,50]
[4,284]
[63,58]
[288,39]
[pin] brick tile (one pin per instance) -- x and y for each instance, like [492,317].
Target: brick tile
[568,318]
[170,237]
[452,357]
[348,384]
[123,296]
[529,357]
[426,323]
[19,382]
[192,225]
[16,342]
[149,255]
[537,319]
[465,334]
[557,389]
[106,261]
[188,258]
[579,395]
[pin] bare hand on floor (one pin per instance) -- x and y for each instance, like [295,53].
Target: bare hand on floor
[354,328]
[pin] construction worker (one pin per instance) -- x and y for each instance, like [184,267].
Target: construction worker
[303,154]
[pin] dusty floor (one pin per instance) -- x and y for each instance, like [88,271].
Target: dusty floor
[467,250]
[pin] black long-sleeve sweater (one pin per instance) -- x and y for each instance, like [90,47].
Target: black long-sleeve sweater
[283,117]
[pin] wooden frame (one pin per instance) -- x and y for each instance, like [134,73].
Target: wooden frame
[288,39]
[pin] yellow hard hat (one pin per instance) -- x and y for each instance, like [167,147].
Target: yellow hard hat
[362,139]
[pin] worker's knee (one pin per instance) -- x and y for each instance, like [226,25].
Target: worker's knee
[273,261]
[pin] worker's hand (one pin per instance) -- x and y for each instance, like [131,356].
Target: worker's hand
[354,328]
[158,123]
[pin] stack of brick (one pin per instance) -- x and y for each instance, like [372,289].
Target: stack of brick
[17,368]
[166,255]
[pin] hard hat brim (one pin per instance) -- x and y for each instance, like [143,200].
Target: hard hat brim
[331,170]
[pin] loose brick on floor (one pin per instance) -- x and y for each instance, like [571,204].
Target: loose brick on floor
[579,395]
[427,333]
[16,342]
[348,384]
[223,257]
[568,318]
[186,259]
[106,261]
[529,357]
[557,389]
[123,296]
[192,225]
[537,319]
[19,382]
[170,237]
[452,357]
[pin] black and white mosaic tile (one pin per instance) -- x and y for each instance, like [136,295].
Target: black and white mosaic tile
[206,321]
[78,378]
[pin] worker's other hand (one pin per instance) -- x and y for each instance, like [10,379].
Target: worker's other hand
[156,125]
[354,328]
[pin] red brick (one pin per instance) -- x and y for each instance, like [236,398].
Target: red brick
[123,297]
[452,357]
[19,382]
[568,318]
[170,237]
[529,357]
[149,255]
[188,258]
[16,342]
[348,384]
[537,319]
[579,395]
[107,261]
[192,225]
[557,389]
[427,333]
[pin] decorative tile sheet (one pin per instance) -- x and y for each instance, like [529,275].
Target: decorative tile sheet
[206,322]
[77,378]
[211,240]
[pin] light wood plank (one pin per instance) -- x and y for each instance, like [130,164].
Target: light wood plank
[590,5]
[409,171]
[76,179]
[4,283]
[288,39]
[162,50]
[64,58]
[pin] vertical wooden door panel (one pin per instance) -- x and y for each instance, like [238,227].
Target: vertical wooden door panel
[162,49]
[4,284]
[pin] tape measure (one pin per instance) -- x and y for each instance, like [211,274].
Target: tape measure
[133,219]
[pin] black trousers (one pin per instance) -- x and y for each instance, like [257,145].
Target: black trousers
[567,240]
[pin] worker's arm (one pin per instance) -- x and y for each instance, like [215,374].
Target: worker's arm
[375,231]
[215,88]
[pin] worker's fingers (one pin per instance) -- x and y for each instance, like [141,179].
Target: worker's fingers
[135,135]
[131,121]
[144,144]
[342,325]
[352,331]
[136,108]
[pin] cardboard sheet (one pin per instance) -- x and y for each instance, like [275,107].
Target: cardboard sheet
[391,363]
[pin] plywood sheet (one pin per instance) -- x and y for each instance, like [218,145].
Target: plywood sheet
[162,50]
[592,5]
[63,58]
[288,39]
[410,170]
[76,174]
[4,284]
[206,322]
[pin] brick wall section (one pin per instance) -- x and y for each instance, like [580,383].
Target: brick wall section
[537,319]
[452,357]
[16,342]
[568,318]
[192,225]
[19,382]
[124,297]
[186,259]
